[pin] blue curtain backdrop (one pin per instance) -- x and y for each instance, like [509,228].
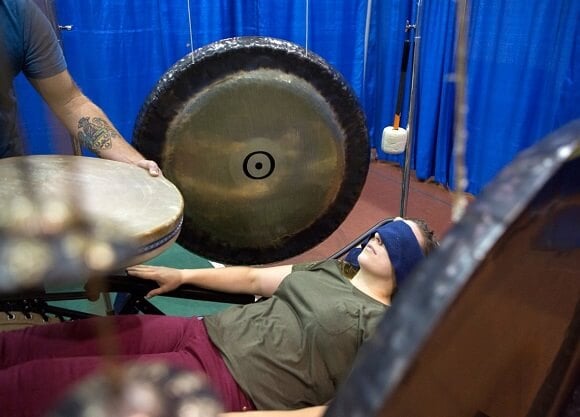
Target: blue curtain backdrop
[523,66]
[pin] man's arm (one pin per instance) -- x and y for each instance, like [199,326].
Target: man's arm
[304,412]
[87,122]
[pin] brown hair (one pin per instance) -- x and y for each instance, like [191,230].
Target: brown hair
[431,241]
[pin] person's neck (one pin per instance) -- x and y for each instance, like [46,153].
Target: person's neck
[379,289]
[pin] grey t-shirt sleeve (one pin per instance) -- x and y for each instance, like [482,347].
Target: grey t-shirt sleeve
[43,56]
[306,266]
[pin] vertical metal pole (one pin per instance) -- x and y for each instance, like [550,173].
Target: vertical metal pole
[411,122]
[307,21]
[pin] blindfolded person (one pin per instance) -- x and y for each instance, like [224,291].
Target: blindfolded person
[287,352]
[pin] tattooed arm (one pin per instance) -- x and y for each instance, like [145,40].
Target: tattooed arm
[87,122]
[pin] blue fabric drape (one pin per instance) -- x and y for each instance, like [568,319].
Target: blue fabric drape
[523,65]
[522,83]
[388,33]
[435,91]
[517,78]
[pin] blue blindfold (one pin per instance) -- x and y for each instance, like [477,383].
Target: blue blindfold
[402,245]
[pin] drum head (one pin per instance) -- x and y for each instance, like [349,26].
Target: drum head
[266,142]
[59,212]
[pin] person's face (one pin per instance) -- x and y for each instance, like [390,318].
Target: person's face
[375,258]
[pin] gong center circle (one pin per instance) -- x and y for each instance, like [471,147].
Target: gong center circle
[259,165]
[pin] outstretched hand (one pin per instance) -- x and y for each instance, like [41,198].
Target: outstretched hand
[150,166]
[168,279]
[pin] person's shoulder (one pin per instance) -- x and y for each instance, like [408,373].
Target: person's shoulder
[32,9]
[20,11]
[13,4]
[327,266]
[12,8]
[315,265]
[19,6]
[13,15]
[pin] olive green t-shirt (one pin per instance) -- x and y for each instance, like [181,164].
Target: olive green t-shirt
[293,349]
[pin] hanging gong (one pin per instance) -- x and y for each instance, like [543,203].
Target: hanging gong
[266,142]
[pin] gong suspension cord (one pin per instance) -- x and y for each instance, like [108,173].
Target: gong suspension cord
[366,45]
[460,131]
[190,30]
[307,17]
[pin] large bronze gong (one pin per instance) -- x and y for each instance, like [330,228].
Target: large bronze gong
[266,142]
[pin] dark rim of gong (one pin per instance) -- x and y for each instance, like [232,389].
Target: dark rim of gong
[215,61]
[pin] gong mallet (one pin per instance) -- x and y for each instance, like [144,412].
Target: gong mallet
[394,138]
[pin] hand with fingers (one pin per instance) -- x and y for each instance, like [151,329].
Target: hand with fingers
[150,166]
[168,279]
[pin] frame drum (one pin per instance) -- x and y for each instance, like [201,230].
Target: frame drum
[266,142]
[144,210]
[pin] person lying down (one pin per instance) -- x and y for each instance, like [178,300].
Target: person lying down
[288,352]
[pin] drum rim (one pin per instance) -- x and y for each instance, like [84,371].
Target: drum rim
[171,235]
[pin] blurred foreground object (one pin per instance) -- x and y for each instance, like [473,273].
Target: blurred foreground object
[138,390]
[66,218]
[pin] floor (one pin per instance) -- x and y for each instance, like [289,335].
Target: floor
[381,198]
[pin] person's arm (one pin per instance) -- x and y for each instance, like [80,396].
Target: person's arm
[233,279]
[303,412]
[86,121]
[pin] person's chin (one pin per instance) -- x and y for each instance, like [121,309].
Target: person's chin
[363,258]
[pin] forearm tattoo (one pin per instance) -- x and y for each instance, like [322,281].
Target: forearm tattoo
[96,134]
